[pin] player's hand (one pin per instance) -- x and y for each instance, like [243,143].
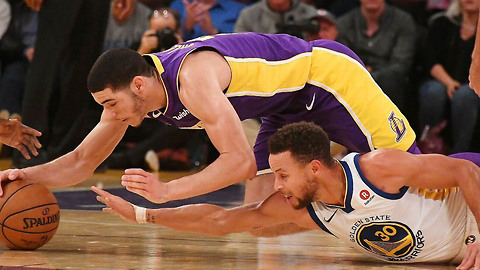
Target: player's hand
[115,205]
[145,184]
[15,134]
[472,258]
[10,174]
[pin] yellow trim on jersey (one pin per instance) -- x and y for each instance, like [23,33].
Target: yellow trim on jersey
[353,86]
[156,61]
[259,77]
[436,194]
[160,69]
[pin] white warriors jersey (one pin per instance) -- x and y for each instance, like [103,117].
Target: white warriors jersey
[414,225]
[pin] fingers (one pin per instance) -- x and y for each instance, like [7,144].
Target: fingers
[100,191]
[134,171]
[29,142]
[135,178]
[23,150]
[103,197]
[134,185]
[14,174]
[472,258]
[30,131]
[141,192]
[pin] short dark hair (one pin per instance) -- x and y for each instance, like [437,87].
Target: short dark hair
[305,141]
[116,69]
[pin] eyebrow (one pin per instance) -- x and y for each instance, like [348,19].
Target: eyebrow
[279,169]
[106,100]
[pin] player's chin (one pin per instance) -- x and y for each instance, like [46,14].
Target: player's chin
[136,122]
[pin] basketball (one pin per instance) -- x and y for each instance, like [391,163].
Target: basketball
[29,215]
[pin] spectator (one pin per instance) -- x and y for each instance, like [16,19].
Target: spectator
[327,26]
[277,16]
[383,36]
[164,32]
[122,32]
[16,52]
[451,39]
[207,17]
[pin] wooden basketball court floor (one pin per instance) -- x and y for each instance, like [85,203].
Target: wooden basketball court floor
[90,239]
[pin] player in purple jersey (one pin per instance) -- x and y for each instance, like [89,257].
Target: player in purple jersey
[214,82]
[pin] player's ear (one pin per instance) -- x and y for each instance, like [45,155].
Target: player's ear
[137,84]
[316,166]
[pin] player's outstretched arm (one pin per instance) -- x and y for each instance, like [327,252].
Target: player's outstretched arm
[211,219]
[202,78]
[77,165]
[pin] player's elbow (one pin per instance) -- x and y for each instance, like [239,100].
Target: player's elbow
[250,166]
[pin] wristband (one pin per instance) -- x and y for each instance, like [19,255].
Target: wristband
[140,214]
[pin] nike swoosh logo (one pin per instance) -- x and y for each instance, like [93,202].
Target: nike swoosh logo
[309,107]
[156,113]
[328,220]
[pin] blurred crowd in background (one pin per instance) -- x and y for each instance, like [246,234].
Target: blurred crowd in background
[418,51]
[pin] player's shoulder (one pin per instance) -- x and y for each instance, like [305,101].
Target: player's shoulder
[385,167]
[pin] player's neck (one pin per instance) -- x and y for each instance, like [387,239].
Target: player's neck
[157,96]
[333,186]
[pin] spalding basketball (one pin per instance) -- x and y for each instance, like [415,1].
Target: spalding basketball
[29,215]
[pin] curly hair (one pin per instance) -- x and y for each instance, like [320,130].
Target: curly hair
[305,141]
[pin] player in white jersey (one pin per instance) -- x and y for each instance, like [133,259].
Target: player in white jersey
[396,206]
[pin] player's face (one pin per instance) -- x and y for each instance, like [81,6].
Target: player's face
[122,105]
[294,180]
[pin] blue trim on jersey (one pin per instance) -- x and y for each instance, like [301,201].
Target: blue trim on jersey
[348,197]
[315,218]
[391,196]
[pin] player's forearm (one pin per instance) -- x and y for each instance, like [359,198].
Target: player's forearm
[67,170]
[200,218]
[227,170]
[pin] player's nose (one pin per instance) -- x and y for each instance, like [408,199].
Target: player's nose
[278,185]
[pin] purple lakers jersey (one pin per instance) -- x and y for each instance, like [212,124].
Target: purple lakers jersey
[284,79]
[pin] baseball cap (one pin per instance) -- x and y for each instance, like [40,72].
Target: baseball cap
[326,15]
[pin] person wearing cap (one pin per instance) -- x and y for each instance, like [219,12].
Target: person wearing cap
[327,26]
